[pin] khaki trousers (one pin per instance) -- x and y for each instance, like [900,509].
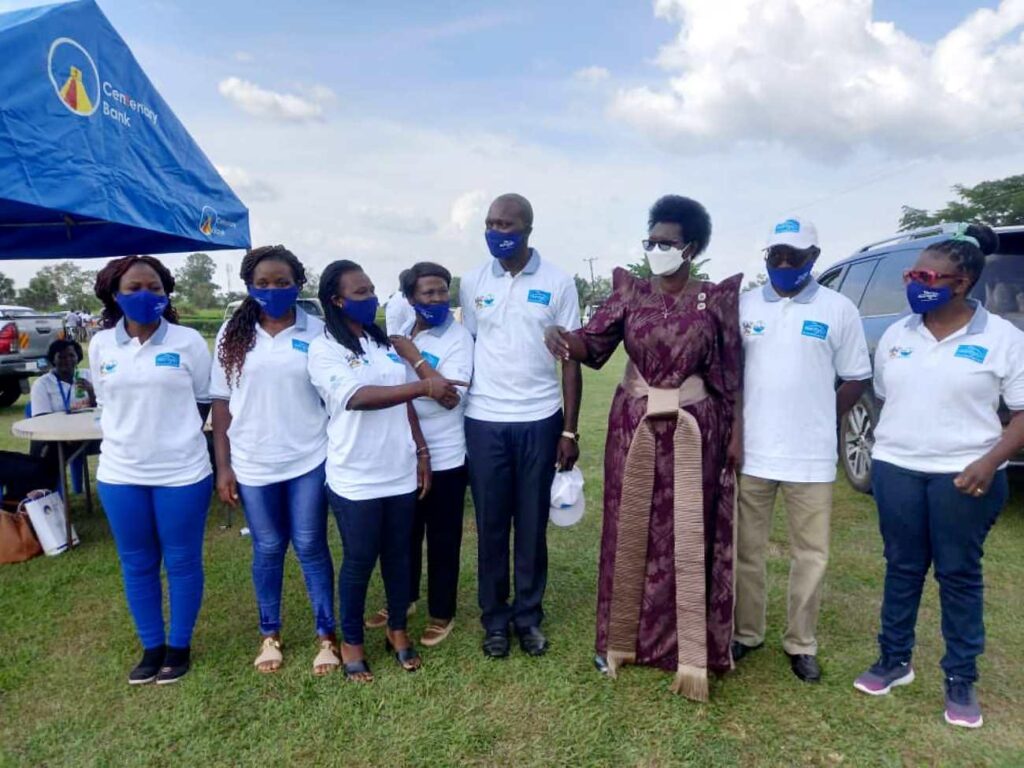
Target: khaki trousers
[808,509]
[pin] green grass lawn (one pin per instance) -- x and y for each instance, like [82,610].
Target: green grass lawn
[68,644]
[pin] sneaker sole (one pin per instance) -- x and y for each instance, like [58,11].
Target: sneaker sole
[142,682]
[962,723]
[169,682]
[907,679]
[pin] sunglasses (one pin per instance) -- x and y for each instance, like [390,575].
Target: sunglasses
[650,245]
[776,257]
[926,276]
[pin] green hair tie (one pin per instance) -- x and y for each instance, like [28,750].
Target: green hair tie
[961,235]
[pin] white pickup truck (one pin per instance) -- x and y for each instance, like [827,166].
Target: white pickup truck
[25,336]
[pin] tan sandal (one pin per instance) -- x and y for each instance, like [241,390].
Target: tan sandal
[327,657]
[435,634]
[379,620]
[270,653]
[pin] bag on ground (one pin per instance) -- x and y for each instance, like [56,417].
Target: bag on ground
[46,511]
[18,541]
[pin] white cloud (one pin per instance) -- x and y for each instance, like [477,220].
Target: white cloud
[393,220]
[248,188]
[591,75]
[467,211]
[824,77]
[260,102]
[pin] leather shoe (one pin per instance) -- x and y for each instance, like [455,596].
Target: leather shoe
[532,641]
[805,667]
[496,644]
[739,650]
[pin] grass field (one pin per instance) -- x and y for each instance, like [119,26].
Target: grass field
[68,644]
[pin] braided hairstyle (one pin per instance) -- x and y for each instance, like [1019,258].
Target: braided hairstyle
[968,257]
[108,283]
[239,335]
[334,318]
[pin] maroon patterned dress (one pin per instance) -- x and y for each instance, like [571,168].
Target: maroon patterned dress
[669,339]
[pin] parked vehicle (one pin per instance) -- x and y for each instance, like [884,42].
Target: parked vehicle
[25,336]
[309,306]
[873,280]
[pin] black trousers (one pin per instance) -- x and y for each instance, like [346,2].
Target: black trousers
[439,519]
[511,466]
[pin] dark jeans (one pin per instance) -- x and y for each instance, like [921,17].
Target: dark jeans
[924,519]
[293,511]
[439,517]
[370,529]
[511,466]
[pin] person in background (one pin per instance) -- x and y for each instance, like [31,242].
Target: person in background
[64,389]
[270,438]
[517,431]
[435,346]
[152,379]
[939,461]
[664,592]
[398,313]
[799,338]
[376,457]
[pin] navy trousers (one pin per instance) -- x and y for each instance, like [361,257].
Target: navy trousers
[511,466]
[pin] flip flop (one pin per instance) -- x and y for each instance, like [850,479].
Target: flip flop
[358,667]
[405,656]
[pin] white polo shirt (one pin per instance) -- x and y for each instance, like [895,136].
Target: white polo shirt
[278,423]
[448,349]
[398,313]
[370,454]
[794,349]
[48,394]
[152,432]
[515,377]
[941,397]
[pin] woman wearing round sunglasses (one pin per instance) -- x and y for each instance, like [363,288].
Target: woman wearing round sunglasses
[938,474]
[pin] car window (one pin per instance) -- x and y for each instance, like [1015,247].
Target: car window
[886,293]
[1001,288]
[857,277]
[830,279]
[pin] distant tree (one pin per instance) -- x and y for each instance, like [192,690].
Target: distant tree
[453,291]
[72,285]
[195,281]
[999,203]
[643,269]
[592,294]
[40,294]
[757,282]
[8,294]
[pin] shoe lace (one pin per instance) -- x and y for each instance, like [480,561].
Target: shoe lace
[959,690]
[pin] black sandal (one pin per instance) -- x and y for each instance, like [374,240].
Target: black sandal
[358,667]
[404,656]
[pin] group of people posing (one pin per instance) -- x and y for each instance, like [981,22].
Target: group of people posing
[726,400]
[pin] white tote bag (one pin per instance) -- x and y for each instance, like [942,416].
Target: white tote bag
[46,511]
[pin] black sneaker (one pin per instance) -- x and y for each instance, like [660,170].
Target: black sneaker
[962,706]
[884,675]
[176,666]
[146,670]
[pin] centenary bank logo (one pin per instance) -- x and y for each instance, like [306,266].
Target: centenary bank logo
[486,300]
[74,76]
[207,221]
[896,353]
[753,328]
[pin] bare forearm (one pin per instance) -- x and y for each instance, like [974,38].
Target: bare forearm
[848,394]
[572,394]
[373,398]
[221,424]
[1010,444]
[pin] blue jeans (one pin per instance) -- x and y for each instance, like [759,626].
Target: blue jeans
[154,523]
[292,510]
[370,529]
[924,519]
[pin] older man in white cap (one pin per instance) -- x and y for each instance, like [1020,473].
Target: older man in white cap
[799,338]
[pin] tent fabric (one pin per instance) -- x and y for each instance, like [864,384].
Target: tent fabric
[92,160]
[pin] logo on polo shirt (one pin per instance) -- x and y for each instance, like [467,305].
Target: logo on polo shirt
[539,297]
[753,327]
[168,360]
[300,345]
[432,360]
[896,353]
[354,361]
[484,300]
[971,352]
[394,358]
[814,329]
[108,367]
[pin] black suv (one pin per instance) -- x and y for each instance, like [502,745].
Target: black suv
[873,280]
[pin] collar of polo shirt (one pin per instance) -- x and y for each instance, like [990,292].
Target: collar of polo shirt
[805,296]
[121,332]
[977,325]
[531,266]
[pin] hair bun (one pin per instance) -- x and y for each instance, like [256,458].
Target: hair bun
[987,239]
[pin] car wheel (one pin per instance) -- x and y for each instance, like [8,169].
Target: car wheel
[10,391]
[857,438]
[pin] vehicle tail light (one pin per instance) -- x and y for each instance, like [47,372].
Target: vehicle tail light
[9,339]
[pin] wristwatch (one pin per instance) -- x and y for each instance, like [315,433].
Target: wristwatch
[575,436]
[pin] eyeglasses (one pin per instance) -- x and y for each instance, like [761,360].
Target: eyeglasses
[776,257]
[650,245]
[926,276]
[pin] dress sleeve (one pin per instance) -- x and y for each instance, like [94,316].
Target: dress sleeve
[725,373]
[41,401]
[606,328]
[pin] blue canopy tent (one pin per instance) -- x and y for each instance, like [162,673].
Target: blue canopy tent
[92,160]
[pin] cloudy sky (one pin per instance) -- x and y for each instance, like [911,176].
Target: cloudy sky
[380,131]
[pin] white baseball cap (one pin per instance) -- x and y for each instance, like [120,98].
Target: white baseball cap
[794,232]
[567,500]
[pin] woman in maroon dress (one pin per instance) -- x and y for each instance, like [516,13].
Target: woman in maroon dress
[664,594]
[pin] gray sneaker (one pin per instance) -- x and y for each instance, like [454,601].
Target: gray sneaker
[962,703]
[884,675]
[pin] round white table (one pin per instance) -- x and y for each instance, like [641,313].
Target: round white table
[68,430]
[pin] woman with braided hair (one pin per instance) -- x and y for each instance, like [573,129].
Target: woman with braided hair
[270,441]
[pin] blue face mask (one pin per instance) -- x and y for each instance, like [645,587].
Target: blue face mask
[789,279]
[503,245]
[276,302]
[433,314]
[143,307]
[924,298]
[363,311]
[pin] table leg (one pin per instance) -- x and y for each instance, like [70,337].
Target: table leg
[63,482]
[88,484]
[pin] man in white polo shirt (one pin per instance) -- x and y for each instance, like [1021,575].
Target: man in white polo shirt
[516,430]
[798,339]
